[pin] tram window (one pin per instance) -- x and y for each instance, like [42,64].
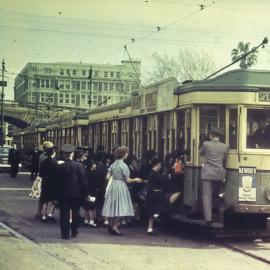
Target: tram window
[258,128]
[211,116]
[233,129]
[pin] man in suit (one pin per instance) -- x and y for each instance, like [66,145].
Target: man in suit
[213,170]
[14,160]
[72,189]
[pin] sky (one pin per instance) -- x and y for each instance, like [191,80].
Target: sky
[96,31]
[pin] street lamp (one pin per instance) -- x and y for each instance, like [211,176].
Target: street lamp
[3,84]
[90,79]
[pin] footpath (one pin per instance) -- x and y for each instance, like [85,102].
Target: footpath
[17,252]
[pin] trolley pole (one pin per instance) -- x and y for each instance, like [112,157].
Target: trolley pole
[90,93]
[2,103]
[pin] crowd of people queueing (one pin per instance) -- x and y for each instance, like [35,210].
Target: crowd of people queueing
[112,188]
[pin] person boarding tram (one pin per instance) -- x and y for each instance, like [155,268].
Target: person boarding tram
[213,170]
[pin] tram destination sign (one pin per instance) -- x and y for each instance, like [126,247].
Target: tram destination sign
[264,95]
[247,184]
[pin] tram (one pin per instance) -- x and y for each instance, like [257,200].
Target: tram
[237,102]
[166,116]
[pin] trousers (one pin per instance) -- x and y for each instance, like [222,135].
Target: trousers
[68,206]
[211,190]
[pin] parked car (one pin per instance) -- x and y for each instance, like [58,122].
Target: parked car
[4,165]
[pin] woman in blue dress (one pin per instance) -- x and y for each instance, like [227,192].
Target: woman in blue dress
[117,202]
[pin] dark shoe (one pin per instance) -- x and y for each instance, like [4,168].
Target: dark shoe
[116,233]
[44,219]
[51,218]
[74,234]
[110,230]
[89,225]
[153,233]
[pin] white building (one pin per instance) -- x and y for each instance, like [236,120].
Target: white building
[68,84]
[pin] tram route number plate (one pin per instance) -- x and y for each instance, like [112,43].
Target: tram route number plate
[247,184]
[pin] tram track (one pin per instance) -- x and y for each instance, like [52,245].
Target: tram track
[243,252]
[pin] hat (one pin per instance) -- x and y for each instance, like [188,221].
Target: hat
[214,131]
[67,148]
[47,145]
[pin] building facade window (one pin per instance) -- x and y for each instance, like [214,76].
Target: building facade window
[67,98]
[78,85]
[61,72]
[73,99]
[96,73]
[67,85]
[68,72]
[117,74]
[73,84]
[117,86]
[84,73]
[100,86]
[61,84]
[42,83]
[127,87]
[111,86]
[112,74]
[95,86]
[74,72]
[83,85]
[105,86]
[83,99]
[61,98]
[105,74]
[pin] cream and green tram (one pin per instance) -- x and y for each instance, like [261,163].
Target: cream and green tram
[237,102]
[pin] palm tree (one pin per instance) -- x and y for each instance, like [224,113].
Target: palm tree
[242,49]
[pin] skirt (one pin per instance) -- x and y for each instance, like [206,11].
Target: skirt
[117,201]
[157,203]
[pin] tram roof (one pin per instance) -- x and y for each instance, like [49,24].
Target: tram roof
[234,80]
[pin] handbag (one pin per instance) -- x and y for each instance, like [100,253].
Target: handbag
[36,188]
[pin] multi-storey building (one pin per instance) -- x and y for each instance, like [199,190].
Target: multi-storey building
[68,84]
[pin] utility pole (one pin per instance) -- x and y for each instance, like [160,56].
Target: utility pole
[3,83]
[90,79]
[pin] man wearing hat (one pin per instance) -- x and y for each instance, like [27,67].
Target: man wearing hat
[72,188]
[213,170]
[14,160]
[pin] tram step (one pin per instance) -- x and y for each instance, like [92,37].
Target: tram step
[201,222]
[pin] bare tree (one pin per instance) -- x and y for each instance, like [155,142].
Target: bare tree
[186,65]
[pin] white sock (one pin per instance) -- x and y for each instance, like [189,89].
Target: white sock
[156,215]
[106,222]
[150,230]
[49,215]
[86,221]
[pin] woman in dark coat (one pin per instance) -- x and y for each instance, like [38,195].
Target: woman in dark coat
[49,174]
[94,191]
[157,201]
